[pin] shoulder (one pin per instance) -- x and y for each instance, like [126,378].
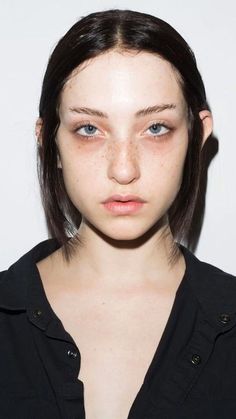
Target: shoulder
[209,273]
[206,275]
[14,280]
[214,288]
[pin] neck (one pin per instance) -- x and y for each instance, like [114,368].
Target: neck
[107,262]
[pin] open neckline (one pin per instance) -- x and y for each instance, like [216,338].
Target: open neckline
[165,334]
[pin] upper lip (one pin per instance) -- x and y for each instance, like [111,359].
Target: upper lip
[124,198]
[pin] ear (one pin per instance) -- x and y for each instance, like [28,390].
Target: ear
[59,165]
[38,133]
[38,130]
[207,123]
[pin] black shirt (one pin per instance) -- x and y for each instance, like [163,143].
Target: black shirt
[191,376]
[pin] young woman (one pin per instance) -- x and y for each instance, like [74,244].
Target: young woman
[113,317]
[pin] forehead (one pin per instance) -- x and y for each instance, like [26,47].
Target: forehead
[125,77]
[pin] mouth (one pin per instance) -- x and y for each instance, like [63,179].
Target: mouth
[124,198]
[123,205]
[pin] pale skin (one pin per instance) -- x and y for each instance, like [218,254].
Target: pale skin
[116,294]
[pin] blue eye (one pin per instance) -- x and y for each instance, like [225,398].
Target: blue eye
[158,129]
[90,130]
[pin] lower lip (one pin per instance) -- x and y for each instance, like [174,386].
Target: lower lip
[123,207]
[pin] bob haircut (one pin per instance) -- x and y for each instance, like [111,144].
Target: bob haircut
[94,34]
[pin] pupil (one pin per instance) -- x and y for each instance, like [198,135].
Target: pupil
[155,127]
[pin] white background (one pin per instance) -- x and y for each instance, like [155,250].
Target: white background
[29,31]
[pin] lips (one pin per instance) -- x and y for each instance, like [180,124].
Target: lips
[124,198]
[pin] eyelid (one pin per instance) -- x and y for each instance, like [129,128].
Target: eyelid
[155,122]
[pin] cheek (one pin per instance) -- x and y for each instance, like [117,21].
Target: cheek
[166,159]
[165,172]
[80,174]
[174,169]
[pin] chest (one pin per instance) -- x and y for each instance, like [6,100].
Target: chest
[117,342]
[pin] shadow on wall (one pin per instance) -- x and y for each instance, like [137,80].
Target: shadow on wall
[209,151]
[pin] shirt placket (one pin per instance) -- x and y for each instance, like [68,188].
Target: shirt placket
[186,370]
[57,351]
[61,361]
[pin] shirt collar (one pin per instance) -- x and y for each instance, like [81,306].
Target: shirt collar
[14,281]
[214,289]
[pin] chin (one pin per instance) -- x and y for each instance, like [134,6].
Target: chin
[126,229]
[123,233]
[135,233]
[121,236]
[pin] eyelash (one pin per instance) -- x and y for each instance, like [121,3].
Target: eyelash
[159,124]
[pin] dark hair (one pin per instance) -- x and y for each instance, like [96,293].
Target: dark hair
[87,38]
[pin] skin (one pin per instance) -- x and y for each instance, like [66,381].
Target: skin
[124,157]
[116,294]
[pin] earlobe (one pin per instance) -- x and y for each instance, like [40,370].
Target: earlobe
[207,123]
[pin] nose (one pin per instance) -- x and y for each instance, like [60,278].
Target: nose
[123,164]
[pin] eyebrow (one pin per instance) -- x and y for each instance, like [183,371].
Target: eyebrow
[142,112]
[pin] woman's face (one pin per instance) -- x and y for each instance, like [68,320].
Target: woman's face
[120,148]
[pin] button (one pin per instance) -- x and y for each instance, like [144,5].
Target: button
[72,354]
[37,313]
[224,318]
[196,359]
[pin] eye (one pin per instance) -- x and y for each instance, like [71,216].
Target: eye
[89,130]
[158,129]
